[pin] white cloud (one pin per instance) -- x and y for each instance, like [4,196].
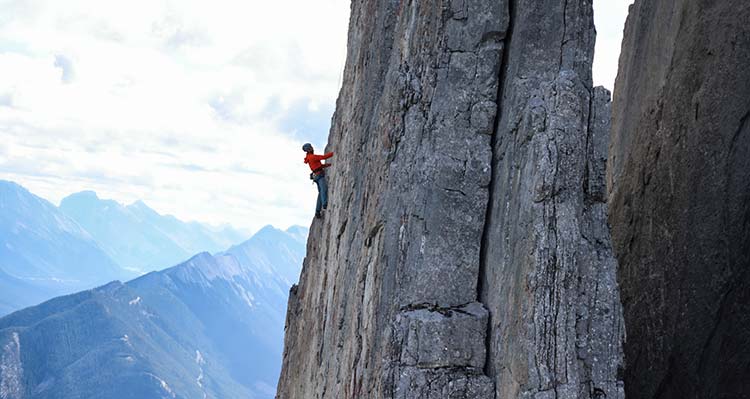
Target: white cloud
[168,101]
[199,108]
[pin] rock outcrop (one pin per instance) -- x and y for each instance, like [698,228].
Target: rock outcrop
[465,252]
[549,276]
[679,182]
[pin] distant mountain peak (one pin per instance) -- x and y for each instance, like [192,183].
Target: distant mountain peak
[85,194]
[18,191]
[140,238]
[201,257]
[110,287]
[86,199]
[204,267]
[296,228]
[10,184]
[268,229]
[141,208]
[300,233]
[139,204]
[44,252]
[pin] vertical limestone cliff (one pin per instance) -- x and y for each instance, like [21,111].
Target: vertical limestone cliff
[549,276]
[679,182]
[465,252]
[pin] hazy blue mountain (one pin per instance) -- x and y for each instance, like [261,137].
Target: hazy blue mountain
[141,239]
[192,236]
[211,327]
[299,233]
[274,252]
[44,253]
[17,294]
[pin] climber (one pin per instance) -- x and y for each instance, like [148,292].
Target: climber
[318,175]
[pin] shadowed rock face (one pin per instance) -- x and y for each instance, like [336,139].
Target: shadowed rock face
[465,252]
[679,182]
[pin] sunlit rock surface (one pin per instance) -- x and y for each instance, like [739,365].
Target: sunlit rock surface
[465,252]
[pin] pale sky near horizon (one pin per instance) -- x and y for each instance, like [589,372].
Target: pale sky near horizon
[197,108]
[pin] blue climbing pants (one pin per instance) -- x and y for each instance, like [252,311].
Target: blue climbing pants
[320,180]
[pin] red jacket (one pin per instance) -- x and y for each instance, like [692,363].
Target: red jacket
[314,161]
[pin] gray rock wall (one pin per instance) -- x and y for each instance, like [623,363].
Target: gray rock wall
[679,183]
[406,292]
[549,276]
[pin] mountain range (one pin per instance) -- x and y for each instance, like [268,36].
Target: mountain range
[44,253]
[140,239]
[210,327]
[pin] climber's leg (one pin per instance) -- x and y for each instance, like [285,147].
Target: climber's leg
[323,191]
[319,204]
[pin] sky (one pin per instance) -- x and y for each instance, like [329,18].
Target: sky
[198,108]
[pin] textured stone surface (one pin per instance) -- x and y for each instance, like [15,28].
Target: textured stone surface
[549,276]
[416,383]
[408,192]
[680,198]
[433,338]
[389,302]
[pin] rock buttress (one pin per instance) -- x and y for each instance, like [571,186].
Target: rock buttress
[679,182]
[389,302]
[548,272]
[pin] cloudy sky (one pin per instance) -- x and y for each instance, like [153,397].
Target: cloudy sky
[196,107]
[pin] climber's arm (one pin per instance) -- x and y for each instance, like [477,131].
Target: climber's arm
[314,157]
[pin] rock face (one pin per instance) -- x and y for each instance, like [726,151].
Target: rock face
[679,182]
[548,273]
[465,252]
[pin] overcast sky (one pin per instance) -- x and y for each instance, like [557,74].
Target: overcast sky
[199,108]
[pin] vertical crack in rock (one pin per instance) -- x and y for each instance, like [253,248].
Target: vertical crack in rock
[392,311]
[444,128]
[548,274]
[438,345]
[482,282]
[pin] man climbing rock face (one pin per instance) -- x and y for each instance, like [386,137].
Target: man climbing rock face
[318,175]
